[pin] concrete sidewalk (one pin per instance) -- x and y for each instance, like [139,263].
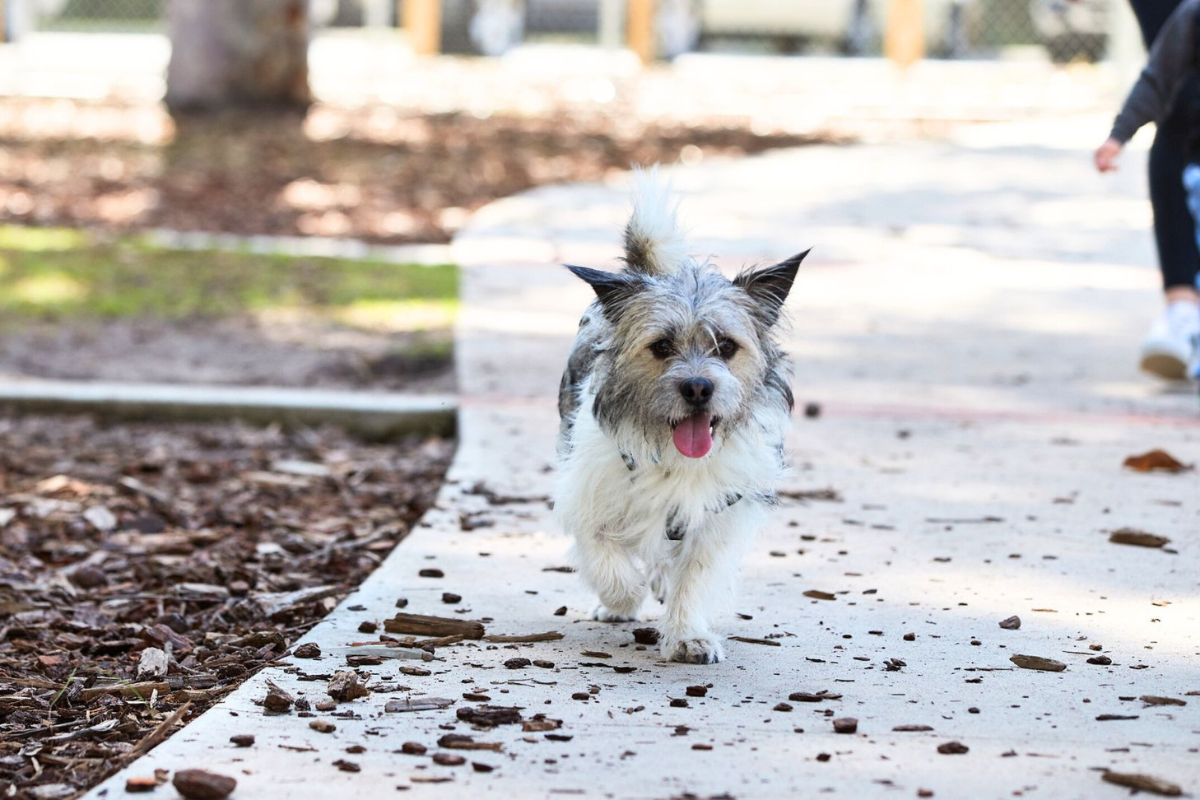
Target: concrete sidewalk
[967,324]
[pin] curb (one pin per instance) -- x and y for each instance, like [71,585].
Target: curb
[370,415]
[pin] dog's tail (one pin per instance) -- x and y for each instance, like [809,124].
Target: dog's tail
[653,243]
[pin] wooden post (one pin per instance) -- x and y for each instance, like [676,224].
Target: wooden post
[904,41]
[423,23]
[639,32]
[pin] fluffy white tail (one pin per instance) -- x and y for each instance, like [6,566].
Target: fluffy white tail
[653,242]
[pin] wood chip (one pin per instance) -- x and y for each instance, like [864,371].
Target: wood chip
[808,697]
[490,716]
[1138,538]
[322,726]
[1156,700]
[527,638]
[307,650]
[912,728]
[953,748]
[139,785]
[845,725]
[416,704]
[449,759]
[423,625]
[1037,662]
[645,635]
[458,741]
[345,687]
[197,784]
[817,594]
[1156,461]
[1143,783]
[750,640]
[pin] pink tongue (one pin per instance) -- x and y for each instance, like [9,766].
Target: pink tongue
[692,437]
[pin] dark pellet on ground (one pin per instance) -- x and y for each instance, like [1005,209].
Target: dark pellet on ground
[561,611]
[402,602]
[307,650]
[845,725]
[783,707]
[645,636]
[952,748]
[581,696]
[679,702]
[697,691]
[412,749]
[1102,661]
[431,573]
[1010,624]
[812,410]
[517,663]
[243,739]
[450,598]
[367,627]
[823,757]
[910,637]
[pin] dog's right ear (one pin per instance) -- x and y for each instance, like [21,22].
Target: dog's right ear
[614,289]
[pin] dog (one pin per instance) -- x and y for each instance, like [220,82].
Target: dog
[674,406]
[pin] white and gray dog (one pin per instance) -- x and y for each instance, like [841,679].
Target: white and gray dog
[674,407]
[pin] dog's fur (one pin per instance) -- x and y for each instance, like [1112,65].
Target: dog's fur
[644,516]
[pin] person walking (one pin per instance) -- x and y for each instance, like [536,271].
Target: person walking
[1170,348]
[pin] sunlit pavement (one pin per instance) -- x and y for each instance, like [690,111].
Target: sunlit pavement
[967,328]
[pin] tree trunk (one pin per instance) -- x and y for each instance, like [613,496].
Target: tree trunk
[237,52]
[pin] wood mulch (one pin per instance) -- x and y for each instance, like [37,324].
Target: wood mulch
[146,567]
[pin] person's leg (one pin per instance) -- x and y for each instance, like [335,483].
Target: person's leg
[1174,226]
[1169,350]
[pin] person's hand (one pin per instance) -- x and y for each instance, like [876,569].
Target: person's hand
[1106,155]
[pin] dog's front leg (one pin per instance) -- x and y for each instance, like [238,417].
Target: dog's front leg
[699,574]
[609,567]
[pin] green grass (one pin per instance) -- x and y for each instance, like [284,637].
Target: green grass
[55,274]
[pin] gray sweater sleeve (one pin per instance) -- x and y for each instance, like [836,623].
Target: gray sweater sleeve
[1172,55]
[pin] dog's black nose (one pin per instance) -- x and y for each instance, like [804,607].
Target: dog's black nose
[696,391]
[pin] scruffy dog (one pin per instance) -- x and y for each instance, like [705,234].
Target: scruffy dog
[674,406]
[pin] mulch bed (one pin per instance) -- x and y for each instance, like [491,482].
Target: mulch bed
[380,174]
[205,548]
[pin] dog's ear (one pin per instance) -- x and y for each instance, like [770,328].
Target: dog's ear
[769,287]
[612,288]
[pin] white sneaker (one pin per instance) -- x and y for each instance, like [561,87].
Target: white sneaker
[1170,348]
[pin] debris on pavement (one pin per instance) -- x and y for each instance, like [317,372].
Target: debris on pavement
[1156,461]
[1038,663]
[197,784]
[1143,783]
[1138,538]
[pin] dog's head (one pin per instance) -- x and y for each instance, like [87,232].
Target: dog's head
[689,353]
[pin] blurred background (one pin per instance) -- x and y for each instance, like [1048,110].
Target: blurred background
[134,132]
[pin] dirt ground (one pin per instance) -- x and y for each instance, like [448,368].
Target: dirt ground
[379,174]
[146,570]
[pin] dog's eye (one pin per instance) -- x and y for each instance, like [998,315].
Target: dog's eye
[662,348]
[726,348]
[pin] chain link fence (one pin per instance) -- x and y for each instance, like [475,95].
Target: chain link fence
[1065,30]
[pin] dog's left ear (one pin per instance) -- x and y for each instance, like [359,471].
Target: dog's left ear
[612,288]
[769,287]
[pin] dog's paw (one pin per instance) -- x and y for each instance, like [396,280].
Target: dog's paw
[701,649]
[605,614]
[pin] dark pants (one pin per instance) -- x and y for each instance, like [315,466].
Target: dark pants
[1174,228]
